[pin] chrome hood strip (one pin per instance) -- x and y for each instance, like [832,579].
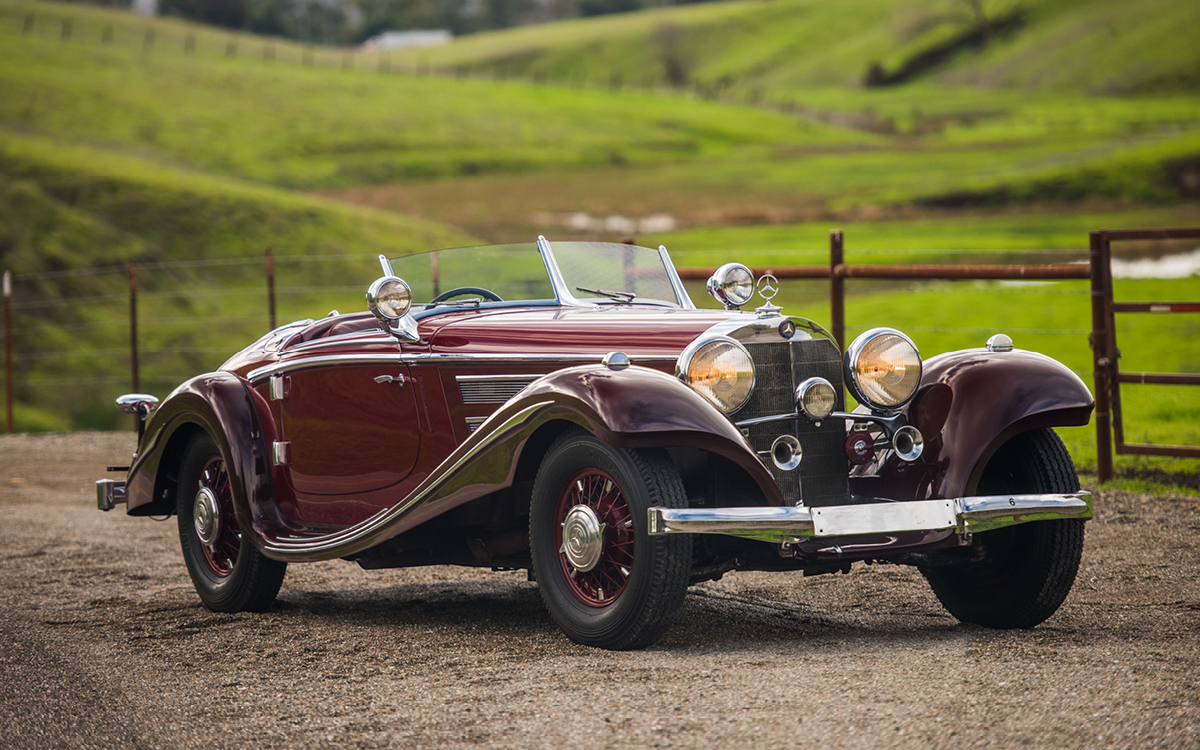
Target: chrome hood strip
[283,367]
[788,524]
[373,530]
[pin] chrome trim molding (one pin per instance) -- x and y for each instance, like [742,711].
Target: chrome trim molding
[491,389]
[782,524]
[474,422]
[281,453]
[307,363]
[676,283]
[561,291]
[749,328]
[374,336]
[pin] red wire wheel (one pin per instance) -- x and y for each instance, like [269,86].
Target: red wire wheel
[594,537]
[214,518]
[229,573]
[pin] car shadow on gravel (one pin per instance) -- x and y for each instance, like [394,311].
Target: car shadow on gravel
[508,613]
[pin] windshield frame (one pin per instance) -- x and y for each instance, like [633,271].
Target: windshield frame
[563,296]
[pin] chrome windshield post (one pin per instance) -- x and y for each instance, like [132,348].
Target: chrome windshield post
[386,265]
[561,291]
[676,283]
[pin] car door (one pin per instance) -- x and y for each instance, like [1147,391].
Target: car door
[351,429]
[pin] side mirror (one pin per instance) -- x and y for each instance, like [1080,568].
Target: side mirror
[389,298]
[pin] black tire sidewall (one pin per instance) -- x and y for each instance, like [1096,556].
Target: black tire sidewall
[1034,565]
[601,626]
[231,593]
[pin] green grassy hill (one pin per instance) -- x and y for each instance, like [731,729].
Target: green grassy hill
[1061,45]
[73,217]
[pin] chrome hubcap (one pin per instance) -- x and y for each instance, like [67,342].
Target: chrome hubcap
[206,514]
[583,538]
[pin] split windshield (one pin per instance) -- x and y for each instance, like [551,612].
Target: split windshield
[591,273]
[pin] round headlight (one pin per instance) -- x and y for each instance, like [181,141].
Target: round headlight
[721,370]
[732,285]
[816,398]
[389,297]
[883,368]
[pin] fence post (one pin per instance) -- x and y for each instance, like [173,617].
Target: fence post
[837,300]
[133,336]
[8,380]
[271,285]
[1100,344]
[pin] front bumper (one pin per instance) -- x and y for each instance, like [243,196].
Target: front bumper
[795,524]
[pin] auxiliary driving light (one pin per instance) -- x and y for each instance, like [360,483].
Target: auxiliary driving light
[732,285]
[815,398]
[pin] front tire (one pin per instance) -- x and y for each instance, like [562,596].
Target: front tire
[229,574]
[604,579]
[1018,576]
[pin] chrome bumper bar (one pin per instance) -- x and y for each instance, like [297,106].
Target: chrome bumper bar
[789,524]
[109,494]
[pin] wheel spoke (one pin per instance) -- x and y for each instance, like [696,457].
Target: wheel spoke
[221,556]
[604,581]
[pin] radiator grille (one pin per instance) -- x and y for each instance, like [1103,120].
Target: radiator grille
[823,476]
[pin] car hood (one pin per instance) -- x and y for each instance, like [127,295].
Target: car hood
[636,331]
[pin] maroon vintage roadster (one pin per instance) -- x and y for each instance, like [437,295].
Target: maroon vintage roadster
[567,409]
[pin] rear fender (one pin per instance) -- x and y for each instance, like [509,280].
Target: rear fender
[969,404]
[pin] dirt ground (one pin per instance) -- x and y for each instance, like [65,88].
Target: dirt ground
[106,645]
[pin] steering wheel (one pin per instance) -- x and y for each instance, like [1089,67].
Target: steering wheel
[457,291]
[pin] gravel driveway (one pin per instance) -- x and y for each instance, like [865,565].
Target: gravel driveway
[106,645]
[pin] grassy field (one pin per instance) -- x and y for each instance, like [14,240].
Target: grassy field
[1062,45]
[192,150]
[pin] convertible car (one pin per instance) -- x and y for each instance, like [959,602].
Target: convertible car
[566,409]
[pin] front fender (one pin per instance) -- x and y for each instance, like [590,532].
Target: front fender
[223,405]
[969,404]
[637,407]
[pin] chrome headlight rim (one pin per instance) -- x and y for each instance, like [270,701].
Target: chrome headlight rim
[683,365]
[721,281]
[851,362]
[379,299]
[805,388]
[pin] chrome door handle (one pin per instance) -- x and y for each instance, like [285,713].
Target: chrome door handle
[397,379]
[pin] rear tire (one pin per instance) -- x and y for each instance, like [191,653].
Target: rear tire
[229,574]
[604,579]
[1018,576]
